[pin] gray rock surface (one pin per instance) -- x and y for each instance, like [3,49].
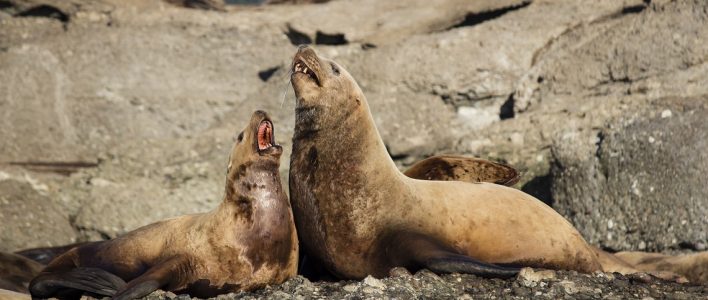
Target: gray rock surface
[638,184]
[29,217]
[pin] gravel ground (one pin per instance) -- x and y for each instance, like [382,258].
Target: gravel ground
[539,284]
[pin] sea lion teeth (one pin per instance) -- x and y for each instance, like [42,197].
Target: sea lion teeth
[248,242]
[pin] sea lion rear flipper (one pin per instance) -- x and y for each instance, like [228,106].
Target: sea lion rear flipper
[92,280]
[167,273]
[461,168]
[44,255]
[418,250]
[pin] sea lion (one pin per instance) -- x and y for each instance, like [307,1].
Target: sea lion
[249,241]
[16,271]
[360,216]
[693,266]
[461,168]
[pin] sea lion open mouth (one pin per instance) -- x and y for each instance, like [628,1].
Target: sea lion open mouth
[266,138]
[300,66]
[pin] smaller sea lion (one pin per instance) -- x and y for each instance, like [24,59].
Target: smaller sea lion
[248,242]
[461,168]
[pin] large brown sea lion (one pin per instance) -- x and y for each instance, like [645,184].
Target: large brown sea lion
[249,241]
[358,215]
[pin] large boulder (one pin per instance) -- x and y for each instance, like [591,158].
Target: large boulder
[639,184]
[29,217]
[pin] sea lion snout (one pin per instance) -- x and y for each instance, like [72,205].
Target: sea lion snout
[306,73]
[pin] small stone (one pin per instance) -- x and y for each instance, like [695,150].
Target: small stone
[280,295]
[642,245]
[666,114]
[399,272]
[529,277]
[350,288]
[607,276]
[569,287]
[170,295]
[651,140]
[373,282]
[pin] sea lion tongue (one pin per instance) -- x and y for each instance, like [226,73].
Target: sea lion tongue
[265,135]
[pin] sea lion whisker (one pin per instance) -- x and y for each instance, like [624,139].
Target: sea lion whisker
[285,89]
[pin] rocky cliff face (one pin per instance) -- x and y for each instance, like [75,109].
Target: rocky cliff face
[115,114]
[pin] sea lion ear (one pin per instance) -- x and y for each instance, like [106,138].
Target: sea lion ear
[460,168]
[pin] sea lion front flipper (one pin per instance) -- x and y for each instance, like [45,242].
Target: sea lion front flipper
[92,280]
[461,168]
[167,273]
[421,251]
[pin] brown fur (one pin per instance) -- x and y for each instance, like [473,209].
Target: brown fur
[693,266]
[248,242]
[362,216]
[16,272]
[460,168]
[346,192]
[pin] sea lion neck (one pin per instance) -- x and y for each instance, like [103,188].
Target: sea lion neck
[330,138]
[252,185]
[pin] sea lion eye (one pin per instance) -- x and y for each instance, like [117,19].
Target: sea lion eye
[335,70]
[240,137]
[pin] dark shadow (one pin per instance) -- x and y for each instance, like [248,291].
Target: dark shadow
[297,38]
[540,187]
[506,111]
[45,11]
[330,39]
[473,19]
[267,73]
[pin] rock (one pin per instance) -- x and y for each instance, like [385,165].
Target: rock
[616,58]
[218,5]
[529,277]
[294,1]
[373,282]
[649,192]
[399,272]
[360,21]
[461,286]
[30,218]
